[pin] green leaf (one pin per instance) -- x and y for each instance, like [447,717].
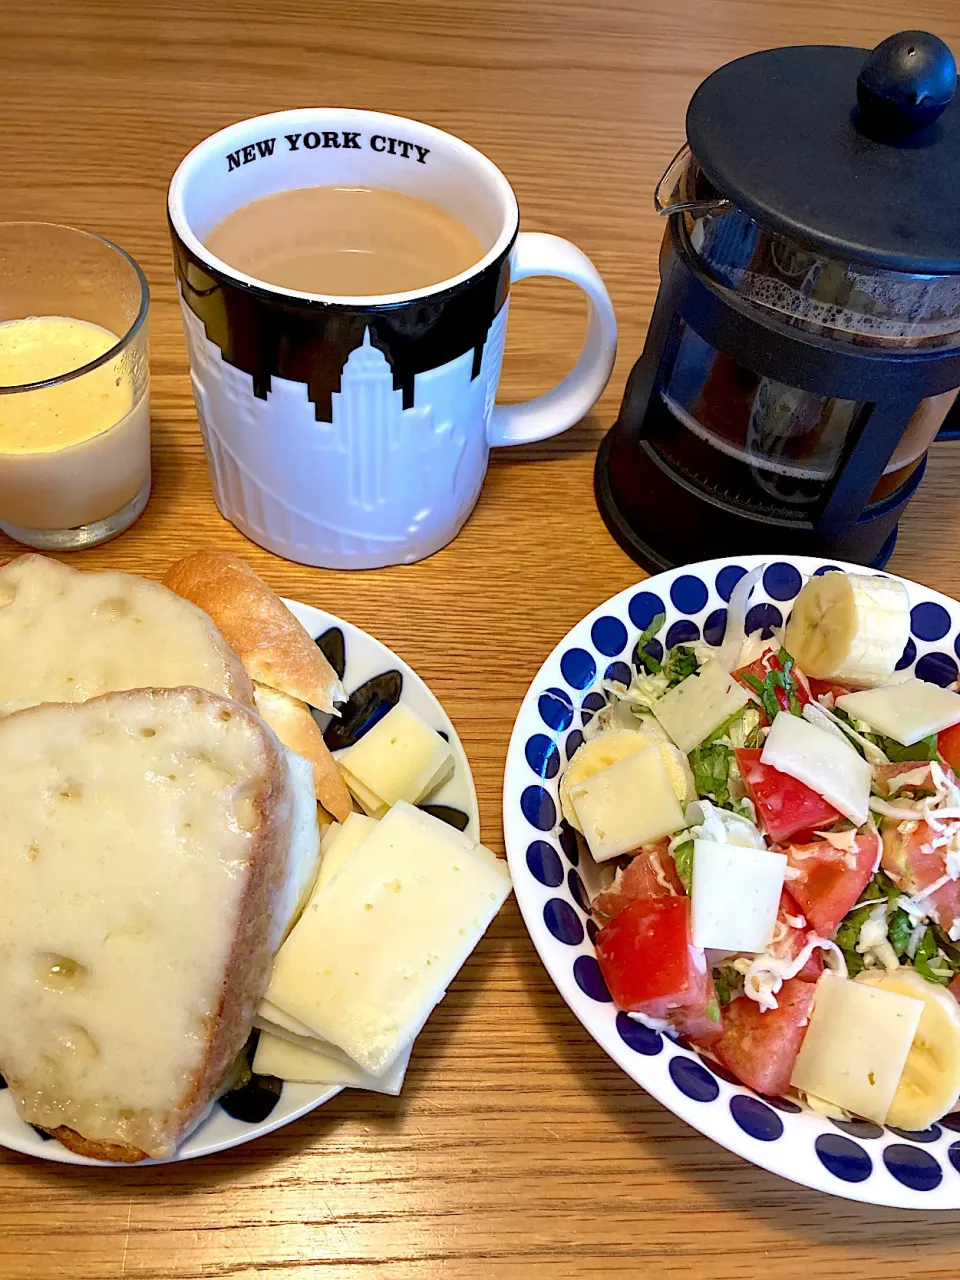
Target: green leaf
[899,932]
[764,691]
[854,962]
[711,763]
[641,659]
[679,663]
[927,952]
[683,860]
[848,934]
[897,753]
[713,1011]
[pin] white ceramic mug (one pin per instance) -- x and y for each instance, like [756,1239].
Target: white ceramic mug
[354,432]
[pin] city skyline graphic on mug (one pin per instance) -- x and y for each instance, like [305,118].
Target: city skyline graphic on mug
[392,467]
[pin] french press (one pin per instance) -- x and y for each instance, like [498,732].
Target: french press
[804,348]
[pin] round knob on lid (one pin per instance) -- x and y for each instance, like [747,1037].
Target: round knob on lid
[906,82]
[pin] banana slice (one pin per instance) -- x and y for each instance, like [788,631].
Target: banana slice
[613,745]
[930,1084]
[849,627]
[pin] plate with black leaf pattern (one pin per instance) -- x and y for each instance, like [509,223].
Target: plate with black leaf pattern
[375,679]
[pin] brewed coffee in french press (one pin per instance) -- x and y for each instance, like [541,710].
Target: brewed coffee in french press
[804,347]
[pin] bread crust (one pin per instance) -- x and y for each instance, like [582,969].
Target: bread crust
[248,965]
[296,728]
[273,646]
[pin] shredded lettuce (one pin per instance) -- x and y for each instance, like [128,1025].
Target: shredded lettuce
[897,753]
[683,861]
[642,660]
[766,689]
[711,763]
[681,661]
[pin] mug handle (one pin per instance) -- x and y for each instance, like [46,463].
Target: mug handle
[538,254]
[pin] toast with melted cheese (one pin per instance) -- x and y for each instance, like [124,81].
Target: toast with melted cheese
[67,635]
[144,846]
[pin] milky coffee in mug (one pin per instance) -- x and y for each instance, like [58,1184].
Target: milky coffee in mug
[348,407]
[345,241]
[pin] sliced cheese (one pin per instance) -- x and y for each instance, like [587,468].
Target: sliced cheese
[375,949]
[856,1046]
[286,1061]
[699,705]
[304,1041]
[356,829]
[822,762]
[736,896]
[400,758]
[626,805]
[304,852]
[905,712]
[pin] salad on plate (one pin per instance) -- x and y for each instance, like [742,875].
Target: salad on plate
[774,827]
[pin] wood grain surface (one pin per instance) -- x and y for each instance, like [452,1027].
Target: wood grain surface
[517,1145]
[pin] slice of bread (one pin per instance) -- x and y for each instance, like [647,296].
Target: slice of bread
[273,646]
[293,723]
[67,635]
[143,848]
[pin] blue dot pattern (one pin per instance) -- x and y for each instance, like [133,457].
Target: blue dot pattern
[578,668]
[538,808]
[843,1157]
[914,1167]
[937,668]
[556,709]
[909,655]
[912,1160]
[682,632]
[917,1135]
[577,891]
[563,922]
[693,1080]
[589,979]
[756,1118]
[640,1038]
[782,581]
[688,593]
[609,635]
[715,626]
[542,756]
[727,579]
[827,568]
[929,620]
[544,864]
[763,618]
[568,843]
[643,608]
[618,671]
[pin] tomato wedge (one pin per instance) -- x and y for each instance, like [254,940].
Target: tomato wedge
[785,807]
[819,688]
[761,1048]
[948,744]
[651,874]
[790,938]
[761,667]
[648,959]
[913,863]
[829,880]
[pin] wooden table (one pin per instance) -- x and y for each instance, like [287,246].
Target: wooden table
[516,1141]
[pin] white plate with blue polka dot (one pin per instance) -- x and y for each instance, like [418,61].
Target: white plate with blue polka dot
[849,1158]
[375,679]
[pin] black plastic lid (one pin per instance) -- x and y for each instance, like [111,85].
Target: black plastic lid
[782,135]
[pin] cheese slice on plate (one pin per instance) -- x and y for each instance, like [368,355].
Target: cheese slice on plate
[630,803]
[278,1057]
[735,896]
[822,762]
[696,706]
[400,758]
[905,712]
[355,830]
[856,1046]
[378,944]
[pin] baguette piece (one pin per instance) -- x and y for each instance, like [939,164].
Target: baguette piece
[273,646]
[293,723]
[68,635]
[143,849]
